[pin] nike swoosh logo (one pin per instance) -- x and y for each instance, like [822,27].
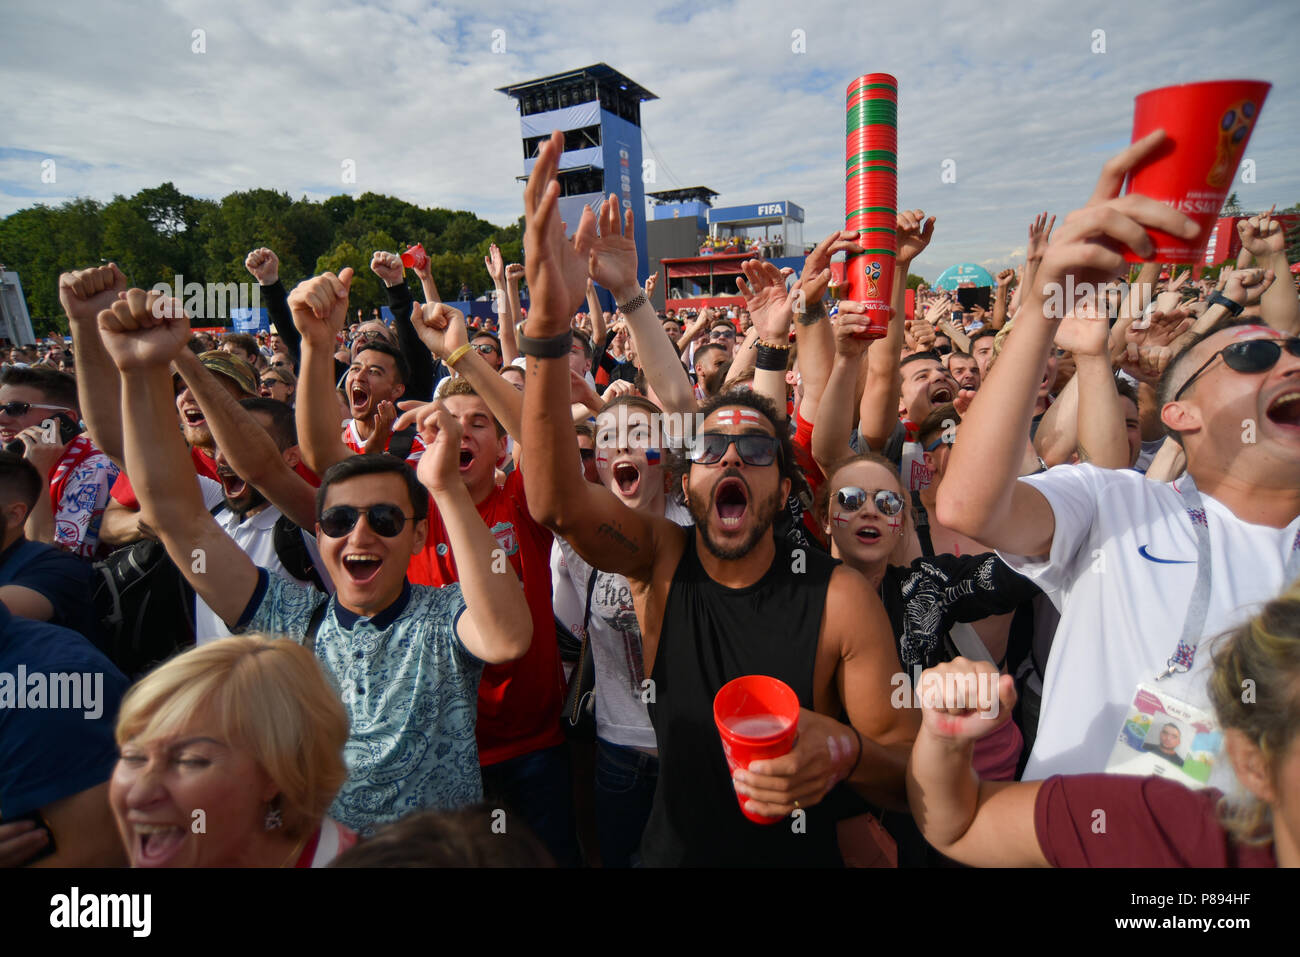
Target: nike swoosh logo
[1142,550]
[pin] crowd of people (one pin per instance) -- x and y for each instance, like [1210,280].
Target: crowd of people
[444,591]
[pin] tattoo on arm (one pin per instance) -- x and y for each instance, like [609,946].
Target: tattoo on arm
[814,314]
[612,533]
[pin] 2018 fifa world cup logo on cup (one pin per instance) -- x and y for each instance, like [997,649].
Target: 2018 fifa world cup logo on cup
[1234,130]
[872,275]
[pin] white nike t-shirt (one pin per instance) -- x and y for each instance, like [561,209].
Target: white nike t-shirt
[1121,571]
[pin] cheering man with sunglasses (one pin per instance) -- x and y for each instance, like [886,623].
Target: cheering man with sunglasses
[718,601]
[406,659]
[1141,571]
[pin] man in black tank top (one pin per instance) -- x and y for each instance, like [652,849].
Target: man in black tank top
[720,600]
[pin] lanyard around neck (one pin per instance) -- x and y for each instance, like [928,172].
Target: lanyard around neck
[1194,624]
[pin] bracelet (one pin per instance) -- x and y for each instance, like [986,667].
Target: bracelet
[552,347]
[1217,298]
[763,343]
[770,359]
[636,302]
[458,354]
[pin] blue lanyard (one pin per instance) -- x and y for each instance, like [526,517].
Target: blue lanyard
[1194,625]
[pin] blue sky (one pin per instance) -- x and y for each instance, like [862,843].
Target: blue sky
[283,94]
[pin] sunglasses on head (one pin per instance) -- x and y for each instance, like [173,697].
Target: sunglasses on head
[22,408]
[887,501]
[754,449]
[1248,357]
[386,521]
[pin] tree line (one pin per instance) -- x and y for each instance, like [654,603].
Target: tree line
[160,233]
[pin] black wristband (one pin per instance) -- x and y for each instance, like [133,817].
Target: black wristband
[1217,298]
[553,347]
[771,360]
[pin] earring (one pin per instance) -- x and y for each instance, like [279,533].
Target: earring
[273,819]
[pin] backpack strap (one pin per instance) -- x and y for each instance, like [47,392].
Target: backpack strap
[291,550]
[313,625]
[399,446]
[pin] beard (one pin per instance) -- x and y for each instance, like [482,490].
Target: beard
[250,500]
[764,513]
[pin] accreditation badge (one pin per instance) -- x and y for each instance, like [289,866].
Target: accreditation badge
[1166,737]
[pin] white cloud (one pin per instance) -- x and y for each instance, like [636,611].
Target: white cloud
[285,93]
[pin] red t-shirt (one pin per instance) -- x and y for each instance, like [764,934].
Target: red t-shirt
[1149,822]
[803,456]
[122,491]
[518,702]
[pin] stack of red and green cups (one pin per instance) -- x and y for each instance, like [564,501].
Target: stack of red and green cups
[871,193]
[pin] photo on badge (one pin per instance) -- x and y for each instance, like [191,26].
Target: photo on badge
[1166,737]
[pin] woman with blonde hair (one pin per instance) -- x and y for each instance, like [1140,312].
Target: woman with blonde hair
[231,753]
[1150,821]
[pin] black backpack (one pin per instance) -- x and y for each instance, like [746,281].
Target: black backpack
[145,607]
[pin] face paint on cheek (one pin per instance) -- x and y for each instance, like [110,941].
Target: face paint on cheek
[839,518]
[652,456]
[896,524]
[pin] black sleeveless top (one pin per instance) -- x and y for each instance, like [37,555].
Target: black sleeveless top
[710,635]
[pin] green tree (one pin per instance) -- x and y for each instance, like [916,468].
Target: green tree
[913,280]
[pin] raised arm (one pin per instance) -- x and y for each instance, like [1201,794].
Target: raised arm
[494,602]
[771,307]
[425,274]
[388,267]
[1102,438]
[812,326]
[83,295]
[1265,237]
[612,262]
[265,268]
[510,318]
[878,414]
[443,332]
[496,267]
[606,533]
[1001,294]
[834,422]
[319,308]
[982,498]
[248,447]
[701,321]
[974,822]
[142,346]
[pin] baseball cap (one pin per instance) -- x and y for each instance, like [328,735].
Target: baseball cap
[232,367]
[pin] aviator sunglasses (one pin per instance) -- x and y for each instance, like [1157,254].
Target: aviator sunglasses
[386,521]
[887,501]
[1248,357]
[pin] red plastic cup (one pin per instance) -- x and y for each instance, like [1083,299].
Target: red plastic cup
[757,718]
[415,257]
[869,278]
[1207,127]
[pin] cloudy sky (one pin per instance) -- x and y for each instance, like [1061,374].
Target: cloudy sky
[282,94]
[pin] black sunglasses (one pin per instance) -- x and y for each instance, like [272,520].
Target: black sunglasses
[1249,357]
[887,501]
[758,450]
[485,348]
[587,454]
[22,408]
[386,521]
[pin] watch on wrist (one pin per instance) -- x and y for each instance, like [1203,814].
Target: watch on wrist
[552,347]
[1217,298]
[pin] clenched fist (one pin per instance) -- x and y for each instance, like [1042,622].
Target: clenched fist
[264,265]
[86,292]
[142,330]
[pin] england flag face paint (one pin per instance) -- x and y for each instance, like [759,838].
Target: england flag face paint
[737,417]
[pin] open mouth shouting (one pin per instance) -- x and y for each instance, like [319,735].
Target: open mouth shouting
[627,477]
[868,535]
[359,399]
[466,459]
[362,567]
[942,393]
[1285,409]
[231,484]
[154,845]
[193,417]
[730,501]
